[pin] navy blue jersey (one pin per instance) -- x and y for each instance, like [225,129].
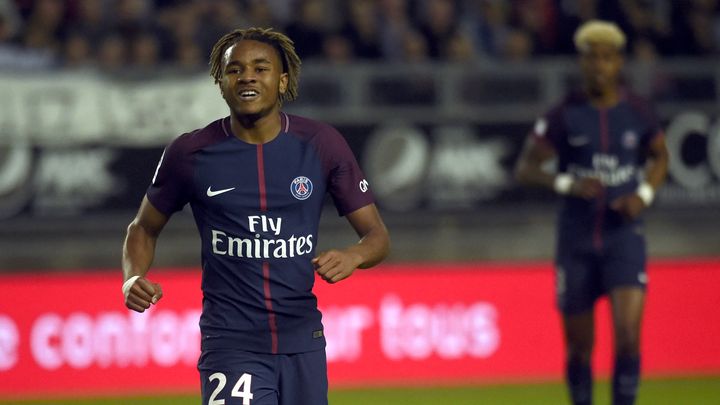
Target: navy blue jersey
[610,144]
[257,209]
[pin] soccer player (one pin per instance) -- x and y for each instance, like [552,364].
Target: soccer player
[611,158]
[256,182]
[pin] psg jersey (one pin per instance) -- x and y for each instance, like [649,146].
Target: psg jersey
[257,209]
[610,144]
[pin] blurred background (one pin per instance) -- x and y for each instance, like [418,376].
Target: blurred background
[435,97]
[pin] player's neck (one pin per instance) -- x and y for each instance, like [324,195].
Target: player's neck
[256,129]
[603,98]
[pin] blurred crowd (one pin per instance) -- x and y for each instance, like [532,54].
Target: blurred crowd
[145,34]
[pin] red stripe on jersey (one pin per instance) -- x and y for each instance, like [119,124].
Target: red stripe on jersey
[268,305]
[599,219]
[604,136]
[266,266]
[600,213]
[261,178]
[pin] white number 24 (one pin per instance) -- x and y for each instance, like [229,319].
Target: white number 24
[241,389]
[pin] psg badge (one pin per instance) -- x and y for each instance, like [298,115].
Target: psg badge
[630,139]
[301,187]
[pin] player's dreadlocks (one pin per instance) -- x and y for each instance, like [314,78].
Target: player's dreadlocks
[281,43]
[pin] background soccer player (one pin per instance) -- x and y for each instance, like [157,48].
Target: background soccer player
[611,158]
[256,182]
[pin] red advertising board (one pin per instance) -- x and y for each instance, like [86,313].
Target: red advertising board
[69,334]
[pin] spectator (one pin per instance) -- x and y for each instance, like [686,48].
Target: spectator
[460,49]
[646,20]
[132,16]
[189,57]
[260,14]
[414,48]
[144,50]
[439,25]
[518,46]
[538,19]
[394,23]
[39,33]
[45,26]
[310,29]
[362,30]
[89,17]
[9,21]
[337,49]
[77,51]
[112,53]
[489,24]
[695,27]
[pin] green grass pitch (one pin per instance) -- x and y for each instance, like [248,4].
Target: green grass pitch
[686,391]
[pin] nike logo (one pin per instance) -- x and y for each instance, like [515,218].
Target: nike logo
[211,193]
[578,140]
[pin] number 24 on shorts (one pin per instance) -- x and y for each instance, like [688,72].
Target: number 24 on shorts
[241,389]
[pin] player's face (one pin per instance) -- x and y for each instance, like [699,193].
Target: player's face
[252,78]
[600,65]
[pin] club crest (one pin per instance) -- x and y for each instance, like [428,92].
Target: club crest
[630,139]
[301,188]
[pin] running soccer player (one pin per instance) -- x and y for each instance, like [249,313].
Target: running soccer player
[611,159]
[256,182]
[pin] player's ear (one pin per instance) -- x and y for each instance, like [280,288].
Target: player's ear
[283,83]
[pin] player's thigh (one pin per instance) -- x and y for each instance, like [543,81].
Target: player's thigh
[235,377]
[625,260]
[303,379]
[577,282]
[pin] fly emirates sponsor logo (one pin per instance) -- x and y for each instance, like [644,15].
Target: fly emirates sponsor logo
[258,246]
[607,169]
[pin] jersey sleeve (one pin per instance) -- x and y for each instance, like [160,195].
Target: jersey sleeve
[651,123]
[550,129]
[654,128]
[172,183]
[346,182]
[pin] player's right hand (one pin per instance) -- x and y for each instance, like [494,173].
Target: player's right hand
[586,187]
[142,294]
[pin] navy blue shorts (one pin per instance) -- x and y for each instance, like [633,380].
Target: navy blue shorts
[246,378]
[585,273]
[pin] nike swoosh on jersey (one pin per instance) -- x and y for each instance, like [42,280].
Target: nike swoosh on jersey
[578,140]
[211,193]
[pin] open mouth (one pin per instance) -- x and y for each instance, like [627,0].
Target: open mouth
[249,95]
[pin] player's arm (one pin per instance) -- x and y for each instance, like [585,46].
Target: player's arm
[632,205]
[658,160]
[373,246]
[138,254]
[529,171]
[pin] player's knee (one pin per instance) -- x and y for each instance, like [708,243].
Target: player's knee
[580,351]
[627,341]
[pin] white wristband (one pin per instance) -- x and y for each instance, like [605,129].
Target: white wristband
[646,193]
[563,183]
[127,285]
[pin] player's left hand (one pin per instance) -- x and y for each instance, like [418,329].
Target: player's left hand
[335,265]
[629,205]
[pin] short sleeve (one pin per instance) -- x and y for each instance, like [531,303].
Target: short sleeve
[172,183]
[549,128]
[654,128]
[650,122]
[346,182]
